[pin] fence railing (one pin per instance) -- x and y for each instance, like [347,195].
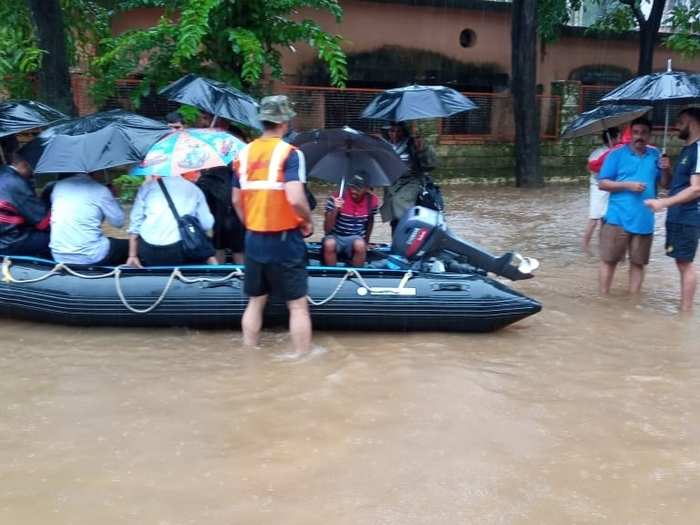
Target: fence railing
[319,107]
[326,107]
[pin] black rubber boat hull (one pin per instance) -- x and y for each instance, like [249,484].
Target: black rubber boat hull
[442,302]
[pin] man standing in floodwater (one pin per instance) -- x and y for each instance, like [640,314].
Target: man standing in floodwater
[631,175]
[683,203]
[269,199]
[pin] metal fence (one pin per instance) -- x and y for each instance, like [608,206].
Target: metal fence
[326,107]
[319,107]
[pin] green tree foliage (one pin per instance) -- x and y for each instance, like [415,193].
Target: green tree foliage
[552,15]
[229,40]
[19,55]
[86,25]
[628,15]
[685,30]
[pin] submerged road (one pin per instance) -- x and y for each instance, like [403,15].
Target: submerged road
[588,412]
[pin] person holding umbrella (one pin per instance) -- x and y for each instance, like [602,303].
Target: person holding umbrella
[348,223]
[419,158]
[683,204]
[269,198]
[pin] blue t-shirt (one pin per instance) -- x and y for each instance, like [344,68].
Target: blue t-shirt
[687,166]
[277,246]
[626,208]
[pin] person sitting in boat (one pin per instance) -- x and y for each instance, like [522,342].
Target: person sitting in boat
[79,204]
[175,121]
[154,237]
[24,218]
[348,223]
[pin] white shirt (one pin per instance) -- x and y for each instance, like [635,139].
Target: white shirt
[151,218]
[79,204]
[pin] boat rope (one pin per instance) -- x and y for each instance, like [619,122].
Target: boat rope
[166,289]
[352,272]
[57,269]
[177,274]
[117,273]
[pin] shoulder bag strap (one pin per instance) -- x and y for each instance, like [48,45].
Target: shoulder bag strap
[170,201]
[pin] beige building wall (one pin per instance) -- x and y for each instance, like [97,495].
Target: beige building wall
[368,25]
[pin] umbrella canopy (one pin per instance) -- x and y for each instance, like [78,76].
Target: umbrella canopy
[601,118]
[21,115]
[189,150]
[417,102]
[93,142]
[335,154]
[669,86]
[340,165]
[214,97]
[666,88]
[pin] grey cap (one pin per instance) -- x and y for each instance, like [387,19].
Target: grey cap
[276,109]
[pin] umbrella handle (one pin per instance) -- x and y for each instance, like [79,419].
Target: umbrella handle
[663,150]
[216,110]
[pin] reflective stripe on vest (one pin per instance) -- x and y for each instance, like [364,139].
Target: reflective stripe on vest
[261,179]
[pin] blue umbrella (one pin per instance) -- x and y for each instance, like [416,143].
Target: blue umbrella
[602,118]
[217,98]
[417,102]
[667,87]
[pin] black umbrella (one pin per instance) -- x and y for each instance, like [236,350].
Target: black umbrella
[20,115]
[335,154]
[667,87]
[94,142]
[417,102]
[601,118]
[217,98]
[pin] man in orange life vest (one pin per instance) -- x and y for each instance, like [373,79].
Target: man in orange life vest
[269,198]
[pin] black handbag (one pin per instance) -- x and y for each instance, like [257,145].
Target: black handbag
[196,245]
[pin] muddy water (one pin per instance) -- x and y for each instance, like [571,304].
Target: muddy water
[586,413]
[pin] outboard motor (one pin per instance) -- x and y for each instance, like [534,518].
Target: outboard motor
[422,233]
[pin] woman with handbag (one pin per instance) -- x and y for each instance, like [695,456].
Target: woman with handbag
[167,225]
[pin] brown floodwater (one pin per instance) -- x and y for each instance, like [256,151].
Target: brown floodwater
[588,412]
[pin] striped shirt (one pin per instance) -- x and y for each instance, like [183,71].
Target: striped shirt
[353,218]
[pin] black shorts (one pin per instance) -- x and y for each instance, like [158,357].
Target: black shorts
[682,241]
[285,280]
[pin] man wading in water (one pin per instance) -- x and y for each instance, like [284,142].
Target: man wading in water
[269,198]
[683,203]
[631,174]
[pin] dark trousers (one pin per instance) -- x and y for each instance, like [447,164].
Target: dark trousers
[35,244]
[166,255]
[118,253]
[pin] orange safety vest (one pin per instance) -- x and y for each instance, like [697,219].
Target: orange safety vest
[260,169]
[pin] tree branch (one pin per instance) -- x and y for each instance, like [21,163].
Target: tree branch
[638,14]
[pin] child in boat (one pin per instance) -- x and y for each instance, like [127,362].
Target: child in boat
[348,223]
